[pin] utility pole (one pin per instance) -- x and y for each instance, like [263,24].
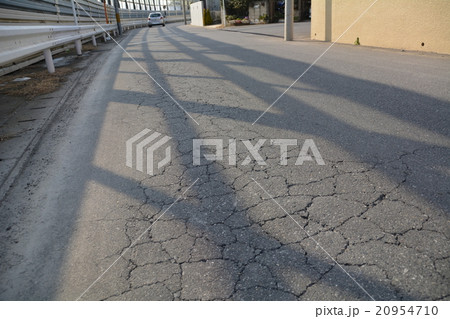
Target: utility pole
[224,14]
[116,9]
[184,11]
[288,20]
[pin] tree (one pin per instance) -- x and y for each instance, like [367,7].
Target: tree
[207,17]
[237,7]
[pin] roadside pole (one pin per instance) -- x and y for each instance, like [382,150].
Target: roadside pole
[288,20]
[116,9]
[74,12]
[224,17]
[184,11]
[106,11]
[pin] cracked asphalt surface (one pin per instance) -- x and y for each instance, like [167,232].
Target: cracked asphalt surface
[379,206]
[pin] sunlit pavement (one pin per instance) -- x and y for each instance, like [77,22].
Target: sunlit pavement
[302,30]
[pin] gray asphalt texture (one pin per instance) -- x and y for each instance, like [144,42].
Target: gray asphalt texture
[379,206]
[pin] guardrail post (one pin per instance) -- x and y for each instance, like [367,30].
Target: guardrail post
[94,41]
[78,46]
[49,60]
[104,37]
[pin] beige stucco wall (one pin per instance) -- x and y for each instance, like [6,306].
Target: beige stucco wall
[399,24]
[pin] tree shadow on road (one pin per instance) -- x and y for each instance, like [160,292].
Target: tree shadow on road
[235,256]
[287,267]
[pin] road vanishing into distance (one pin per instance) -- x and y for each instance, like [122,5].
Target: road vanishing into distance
[256,223]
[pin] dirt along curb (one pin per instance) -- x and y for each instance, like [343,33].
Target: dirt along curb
[26,115]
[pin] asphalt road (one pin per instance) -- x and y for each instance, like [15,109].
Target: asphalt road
[372,223]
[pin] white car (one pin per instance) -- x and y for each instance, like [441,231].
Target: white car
[156,18]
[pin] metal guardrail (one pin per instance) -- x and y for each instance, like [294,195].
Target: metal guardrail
[19,42]
[29,28]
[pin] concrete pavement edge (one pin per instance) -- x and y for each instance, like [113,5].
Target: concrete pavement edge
[20,164]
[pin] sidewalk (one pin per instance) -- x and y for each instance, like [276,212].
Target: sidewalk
[302,30]
[26,114]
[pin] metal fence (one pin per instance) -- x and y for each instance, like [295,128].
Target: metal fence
[33,29]
[60,11]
